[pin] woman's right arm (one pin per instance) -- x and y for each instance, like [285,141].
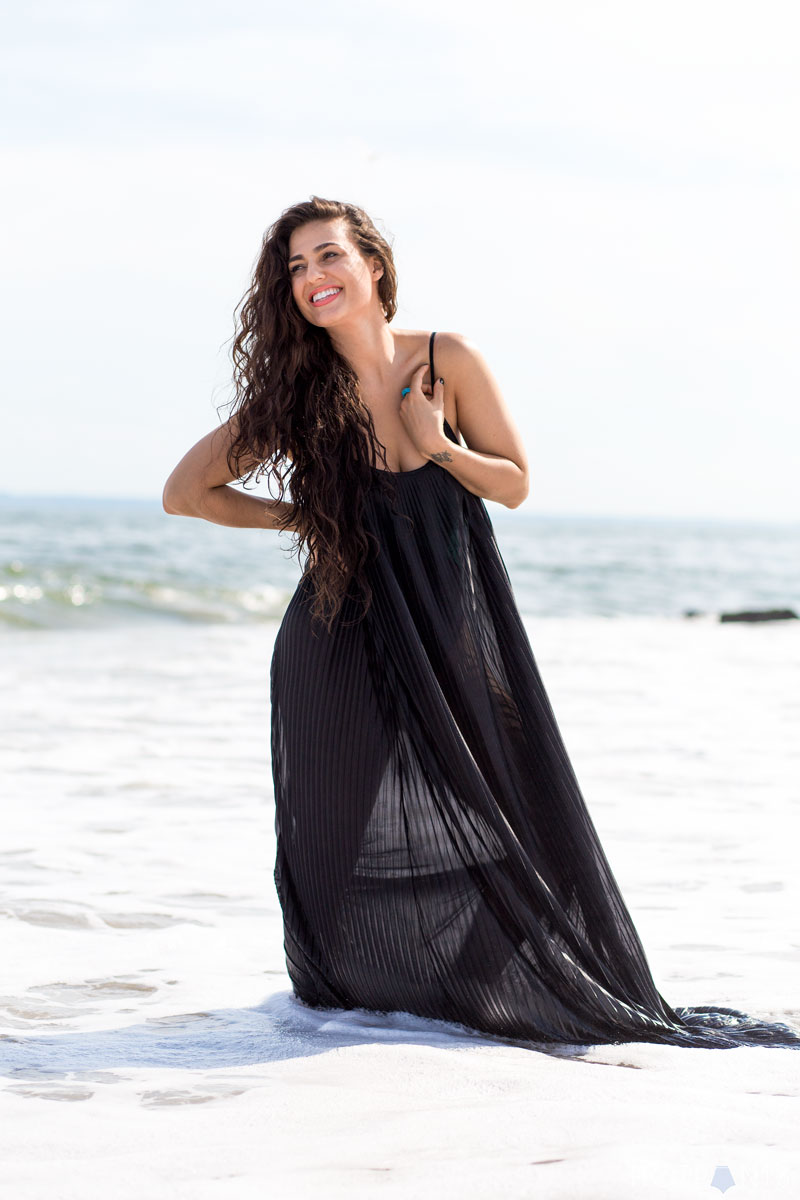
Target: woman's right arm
[199,486]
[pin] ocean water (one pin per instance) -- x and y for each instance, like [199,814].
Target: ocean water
[71,563]
[149,1040]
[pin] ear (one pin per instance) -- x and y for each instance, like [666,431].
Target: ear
[377,269]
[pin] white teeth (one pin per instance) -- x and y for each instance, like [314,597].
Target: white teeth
[327,292]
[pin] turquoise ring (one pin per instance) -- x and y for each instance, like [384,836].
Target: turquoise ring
[405,392]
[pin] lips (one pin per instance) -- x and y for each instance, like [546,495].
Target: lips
[326,299]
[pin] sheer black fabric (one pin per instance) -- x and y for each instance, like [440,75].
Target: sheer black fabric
[435,854]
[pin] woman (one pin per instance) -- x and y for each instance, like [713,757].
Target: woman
[434,852]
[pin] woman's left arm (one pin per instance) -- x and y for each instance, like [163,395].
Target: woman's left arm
[493,464]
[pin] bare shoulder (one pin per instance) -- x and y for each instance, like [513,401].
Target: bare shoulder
[455,348]
[414,343]
[483,416]
[456,357]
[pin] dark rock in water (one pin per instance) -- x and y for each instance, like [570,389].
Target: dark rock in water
[693,612]
[764,614]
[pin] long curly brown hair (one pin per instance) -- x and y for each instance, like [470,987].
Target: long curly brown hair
[299,411]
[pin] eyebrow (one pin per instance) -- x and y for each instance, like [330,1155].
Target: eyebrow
[321,246]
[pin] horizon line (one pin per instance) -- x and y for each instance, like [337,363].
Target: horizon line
[512,514]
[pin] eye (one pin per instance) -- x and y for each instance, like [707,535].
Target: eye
[293,270]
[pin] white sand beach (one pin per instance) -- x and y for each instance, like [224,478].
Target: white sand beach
[150,1044]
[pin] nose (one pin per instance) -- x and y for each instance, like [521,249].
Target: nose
[315,271]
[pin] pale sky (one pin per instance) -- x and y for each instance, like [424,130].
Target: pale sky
[602,196]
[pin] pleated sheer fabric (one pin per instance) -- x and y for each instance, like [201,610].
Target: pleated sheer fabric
[434,851]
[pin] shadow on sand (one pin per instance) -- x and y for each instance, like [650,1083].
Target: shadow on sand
[280,1028]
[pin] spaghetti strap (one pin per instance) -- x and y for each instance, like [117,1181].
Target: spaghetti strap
[447,427]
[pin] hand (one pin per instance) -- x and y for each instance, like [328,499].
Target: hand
[423,418]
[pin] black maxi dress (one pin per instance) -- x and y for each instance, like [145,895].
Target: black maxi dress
[435,854]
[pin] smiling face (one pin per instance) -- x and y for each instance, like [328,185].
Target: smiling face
[330,279]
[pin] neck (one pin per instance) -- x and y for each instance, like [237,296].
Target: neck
[368,345]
